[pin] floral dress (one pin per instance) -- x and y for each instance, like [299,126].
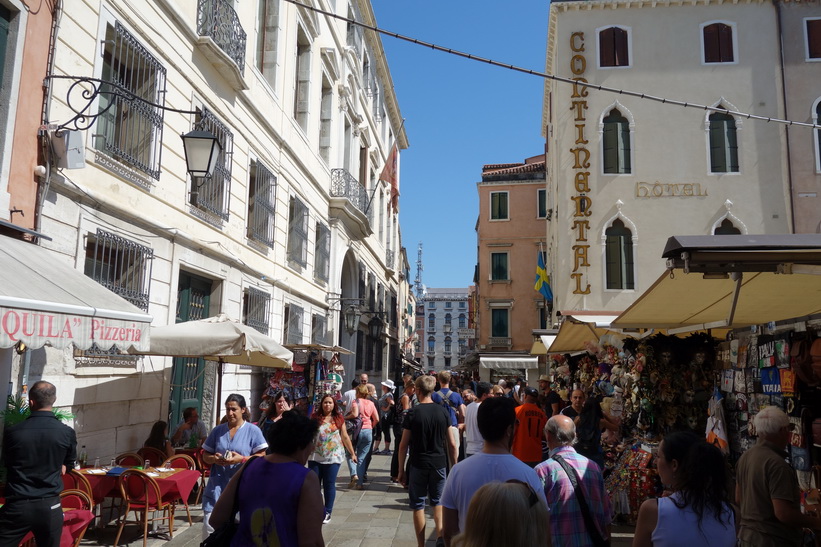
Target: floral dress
[328,447]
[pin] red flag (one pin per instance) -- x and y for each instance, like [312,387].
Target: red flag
[390,174]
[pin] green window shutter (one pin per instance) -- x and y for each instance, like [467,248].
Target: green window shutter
[611,158]
[718,156]
[5,23]
[732,145]
[624,147]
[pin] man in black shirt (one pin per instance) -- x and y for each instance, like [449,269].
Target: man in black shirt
[37,453]
[426,432]
[549,400]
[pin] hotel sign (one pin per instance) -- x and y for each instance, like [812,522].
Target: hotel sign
[582,204]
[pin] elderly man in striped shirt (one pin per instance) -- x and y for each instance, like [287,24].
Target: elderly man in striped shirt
[574,488]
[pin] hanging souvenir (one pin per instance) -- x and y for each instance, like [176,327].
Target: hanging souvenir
[770,381]
[787,382]
[766,351]
[782,350]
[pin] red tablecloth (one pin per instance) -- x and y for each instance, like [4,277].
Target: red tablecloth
[173,485]
[74,520]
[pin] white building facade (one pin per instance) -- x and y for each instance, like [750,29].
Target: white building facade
[293,225]
[625,173]
[440,315]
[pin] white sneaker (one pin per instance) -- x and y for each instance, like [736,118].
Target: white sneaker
[327,518]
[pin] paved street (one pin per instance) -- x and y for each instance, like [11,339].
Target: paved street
[375,517]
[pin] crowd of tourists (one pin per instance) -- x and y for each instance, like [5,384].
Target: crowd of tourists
[481,466]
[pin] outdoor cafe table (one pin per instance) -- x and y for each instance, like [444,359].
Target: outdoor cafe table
[173,484]
[74,520]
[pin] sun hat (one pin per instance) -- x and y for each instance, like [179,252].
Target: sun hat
[389,384]
[544,378]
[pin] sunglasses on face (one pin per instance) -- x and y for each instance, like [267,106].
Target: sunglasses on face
[533,499]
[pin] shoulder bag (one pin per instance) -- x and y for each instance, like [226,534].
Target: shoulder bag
[222,536]
[354,425]
[592,529]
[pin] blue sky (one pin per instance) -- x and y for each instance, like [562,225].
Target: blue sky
[460,115]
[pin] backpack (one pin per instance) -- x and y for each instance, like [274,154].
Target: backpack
[447,403]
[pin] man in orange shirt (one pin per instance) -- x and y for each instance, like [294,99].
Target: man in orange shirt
[530,420]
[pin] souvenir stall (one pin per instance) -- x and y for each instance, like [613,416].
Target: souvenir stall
[650,386]
[311,376]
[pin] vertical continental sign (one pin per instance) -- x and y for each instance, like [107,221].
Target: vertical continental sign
[581,166]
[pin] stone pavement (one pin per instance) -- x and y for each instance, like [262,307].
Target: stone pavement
[378,516]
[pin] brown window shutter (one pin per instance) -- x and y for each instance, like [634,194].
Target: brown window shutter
[725,43]
[620,39]
[607,55]
[814,38]
[711,50]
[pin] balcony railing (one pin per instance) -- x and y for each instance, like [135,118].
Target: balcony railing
[218,20]
[500,341]
[430,353]
[447,328]
[389,259]
[447,353]
[343,185]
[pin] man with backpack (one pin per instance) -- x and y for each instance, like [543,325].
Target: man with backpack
[453,403]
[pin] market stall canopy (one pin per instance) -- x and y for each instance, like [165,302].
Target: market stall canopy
[319,347]
[219,338]
[523,362]
[541,344]
[45,301]
[579,328]
[731,281]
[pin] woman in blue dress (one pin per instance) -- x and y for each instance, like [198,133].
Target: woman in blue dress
[227,447]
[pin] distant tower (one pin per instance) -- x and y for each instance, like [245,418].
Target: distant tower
[420,290]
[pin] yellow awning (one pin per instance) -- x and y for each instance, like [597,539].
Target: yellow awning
[690,302]
[577,330]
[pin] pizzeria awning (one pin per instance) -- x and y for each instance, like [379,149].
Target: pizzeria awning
[45,301]
[497,363]
[731,281]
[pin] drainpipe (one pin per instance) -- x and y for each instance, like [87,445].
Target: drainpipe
[778,5]
[45,140]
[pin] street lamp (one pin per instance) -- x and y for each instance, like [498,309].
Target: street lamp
[202,149]
[375,327]
[352,315]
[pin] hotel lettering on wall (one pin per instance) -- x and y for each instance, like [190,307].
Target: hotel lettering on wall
[581,166]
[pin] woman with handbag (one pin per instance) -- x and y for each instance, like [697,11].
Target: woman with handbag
[699,511]
[276,496]
[225,450]
[362,408]
[329,452]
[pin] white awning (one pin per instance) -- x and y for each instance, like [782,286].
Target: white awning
[509,362]
[45,301]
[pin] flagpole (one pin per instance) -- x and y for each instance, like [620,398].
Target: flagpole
[390,150]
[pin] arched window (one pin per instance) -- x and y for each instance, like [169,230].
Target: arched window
[431,344]
[618,250]
[447,319]
[613,47]
[462,321]
[616,137]
[718,43]
[723,143]
[447,343]
[431,321]
[726,228]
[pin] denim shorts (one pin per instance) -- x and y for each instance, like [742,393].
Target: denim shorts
[425,483]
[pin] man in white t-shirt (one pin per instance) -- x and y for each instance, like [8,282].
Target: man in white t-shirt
[473,438]
[496,419]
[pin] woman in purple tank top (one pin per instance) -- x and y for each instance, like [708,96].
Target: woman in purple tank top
[278,497]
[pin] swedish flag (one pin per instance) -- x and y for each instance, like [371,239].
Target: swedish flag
[542,281]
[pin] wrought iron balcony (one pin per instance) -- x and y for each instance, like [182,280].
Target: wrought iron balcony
[218,20]
[497,341]
[349,199]
[447,328]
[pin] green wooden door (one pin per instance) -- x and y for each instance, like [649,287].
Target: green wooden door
[193,299]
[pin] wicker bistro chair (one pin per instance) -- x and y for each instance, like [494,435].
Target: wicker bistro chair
[152,455]
[129,459]
[72,498]
[182,461]
[142,495]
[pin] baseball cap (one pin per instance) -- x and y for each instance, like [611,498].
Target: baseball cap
[532,391]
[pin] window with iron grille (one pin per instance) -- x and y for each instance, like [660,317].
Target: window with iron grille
[293,324]
[130,131]
[262,186]
[322,252]
[319,330]
[211,194]
[120,265]
[256,305]
[298,232]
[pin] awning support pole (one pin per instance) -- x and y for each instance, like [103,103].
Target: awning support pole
[738,277]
